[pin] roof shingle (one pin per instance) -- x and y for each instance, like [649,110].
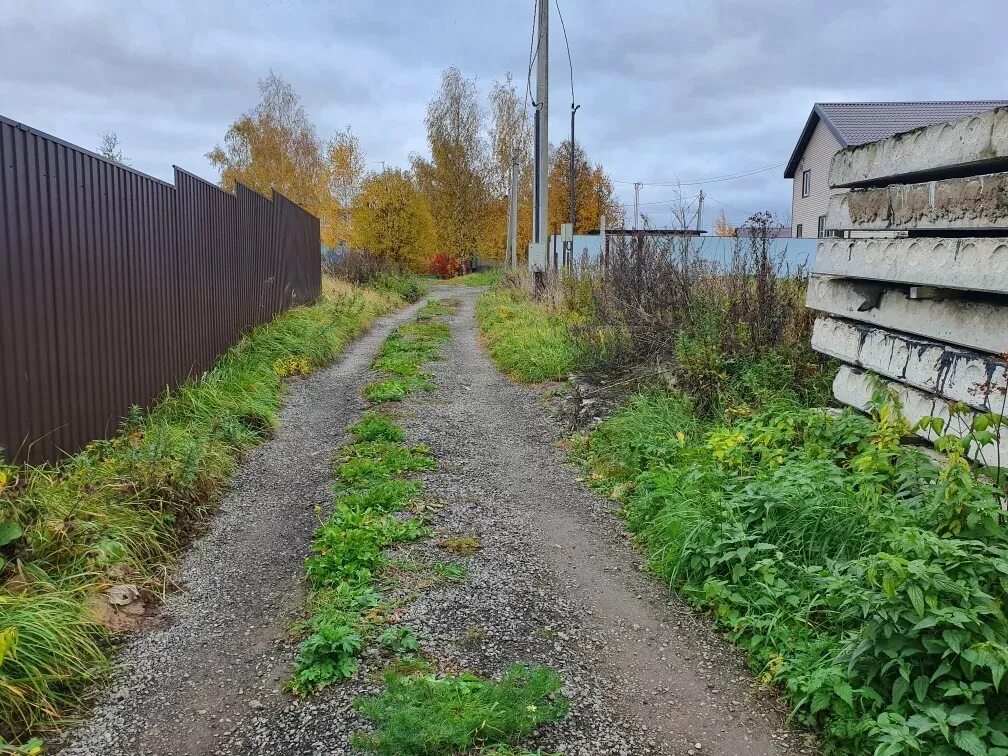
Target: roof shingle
[854,123]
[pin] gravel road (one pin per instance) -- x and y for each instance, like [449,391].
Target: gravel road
[555,581]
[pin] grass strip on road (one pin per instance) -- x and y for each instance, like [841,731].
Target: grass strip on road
[372,486]
[419,713]
[423,714]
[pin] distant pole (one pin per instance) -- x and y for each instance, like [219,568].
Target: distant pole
[542,125]
[512,239]
[636,202]
[699,212]
[603,247]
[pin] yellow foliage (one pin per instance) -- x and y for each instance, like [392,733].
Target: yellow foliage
[288,366]
[390,218]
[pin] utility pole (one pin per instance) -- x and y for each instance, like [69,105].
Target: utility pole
[573,214]
[699,212]
[542,126]
[512,237]
[636,202]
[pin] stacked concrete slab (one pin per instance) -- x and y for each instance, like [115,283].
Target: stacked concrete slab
[926,307]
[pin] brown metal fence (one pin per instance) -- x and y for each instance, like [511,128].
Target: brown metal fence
[115,285]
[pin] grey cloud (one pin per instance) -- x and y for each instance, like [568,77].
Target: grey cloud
[687,89]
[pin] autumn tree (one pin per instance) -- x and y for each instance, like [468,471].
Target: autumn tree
[274,146]
[722,227]
[109,148]
[594,193]
[510,138]
[345,165]
[454,179]
[392,219]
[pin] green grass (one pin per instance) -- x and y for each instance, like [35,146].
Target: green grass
[525,340]
[427,716]
[483,278]
[404,353]
[125,506]
[865,580]
[372,485]
[402,285]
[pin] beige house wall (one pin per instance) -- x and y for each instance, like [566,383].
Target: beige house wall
[817,158]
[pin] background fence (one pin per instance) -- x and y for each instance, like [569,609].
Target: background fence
[115,285]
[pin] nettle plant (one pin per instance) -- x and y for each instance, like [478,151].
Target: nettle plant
[861,575]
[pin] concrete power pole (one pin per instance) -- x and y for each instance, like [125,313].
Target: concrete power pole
[512,238]
[636,202]
[699,212]
[542,126]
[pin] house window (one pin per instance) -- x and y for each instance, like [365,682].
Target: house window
[822,226]
[806,183]
[798,231]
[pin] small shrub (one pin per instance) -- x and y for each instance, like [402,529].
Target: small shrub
[444,265]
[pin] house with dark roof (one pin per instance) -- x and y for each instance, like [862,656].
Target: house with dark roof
[833,126]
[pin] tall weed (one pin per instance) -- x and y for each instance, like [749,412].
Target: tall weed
[122,507]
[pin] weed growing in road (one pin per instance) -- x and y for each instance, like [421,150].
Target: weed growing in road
[422,714]
[464,545]
[123,507]
[527,341]
[862,577]
[401,641]
[404,353]
[348,551]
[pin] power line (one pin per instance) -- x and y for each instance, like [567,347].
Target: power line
[712,180]
[569,61]
[725,204]
[533,52]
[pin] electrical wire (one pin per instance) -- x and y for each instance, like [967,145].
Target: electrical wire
[713,179]
[570,62]
[725,204]
[533,54]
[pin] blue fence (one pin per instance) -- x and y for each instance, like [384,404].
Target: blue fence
[795,253]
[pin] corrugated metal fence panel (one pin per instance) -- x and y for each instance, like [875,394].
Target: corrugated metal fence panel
[115,285]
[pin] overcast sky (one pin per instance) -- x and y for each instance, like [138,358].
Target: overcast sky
[669,90]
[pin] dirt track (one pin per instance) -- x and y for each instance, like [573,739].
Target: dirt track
[555,582]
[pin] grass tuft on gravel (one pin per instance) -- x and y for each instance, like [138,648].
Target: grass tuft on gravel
[424,715]
[120,510]
[526,341]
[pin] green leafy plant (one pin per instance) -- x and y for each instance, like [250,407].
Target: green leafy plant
[861,576]
[348,560]
[399,640]
[423,714]
[327,655]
